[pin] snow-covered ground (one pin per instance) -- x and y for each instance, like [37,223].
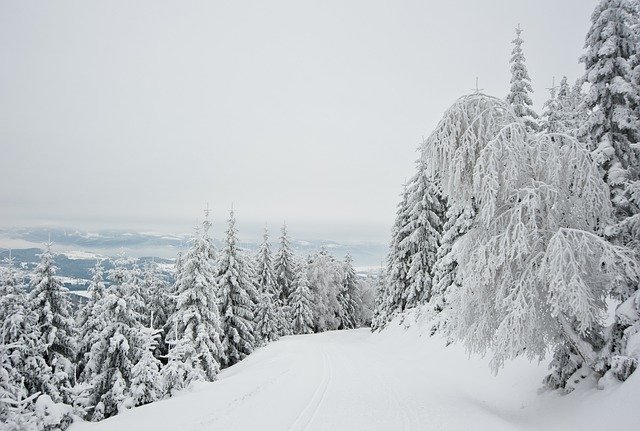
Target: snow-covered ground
[355,380]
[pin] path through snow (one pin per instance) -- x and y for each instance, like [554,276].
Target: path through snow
[355,380]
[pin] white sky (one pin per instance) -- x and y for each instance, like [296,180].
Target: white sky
[136,113]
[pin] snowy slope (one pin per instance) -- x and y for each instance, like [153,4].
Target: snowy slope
[355,380]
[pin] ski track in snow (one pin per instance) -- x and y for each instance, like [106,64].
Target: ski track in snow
[308,414]
[396,380]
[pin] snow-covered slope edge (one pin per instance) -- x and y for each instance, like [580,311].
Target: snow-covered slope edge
[355,380]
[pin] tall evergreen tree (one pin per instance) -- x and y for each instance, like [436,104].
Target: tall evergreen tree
[51,303]
[284,267]
[446,277]
[22,349]
[196,320]
[398,264]
[301,304]
[146,384]
[613,131]
[423,230]
[235,294]
[90,320]
[348,296]
[551,115]
[270,291]
[266,320]
[613,124]
[519,96]
[120,347]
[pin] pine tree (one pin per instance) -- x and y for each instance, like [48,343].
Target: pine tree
[446,278]
[267,285]
[612,129]
[423,230]
[196,321]
[378,317]
[155,291]
[89,320]
[519,96]
[121,345]
[398,264]
[24,370]
[301,304]
[284,267]
[182,367]
[146,384]
[50,300]
[348,296]
[552,112]
[236,290]
[613,124]
[266,320]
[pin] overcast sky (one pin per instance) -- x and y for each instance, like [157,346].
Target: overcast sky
[134,114]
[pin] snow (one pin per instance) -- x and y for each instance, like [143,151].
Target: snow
[78,255]
[356,380]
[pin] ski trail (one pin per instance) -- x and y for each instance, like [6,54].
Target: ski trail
[308,413]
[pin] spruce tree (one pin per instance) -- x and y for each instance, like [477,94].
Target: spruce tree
[90,320]
[445,272]
[519,96]
[120,347]
[235,294]
[27,372]
[51,303]
[284,267]
[301,304]
[612,129]
[266,320]
[146,384]
[613,124]
[196,321]
[551,115]
[398,264]
[267,285]
[423,230]
[348,296]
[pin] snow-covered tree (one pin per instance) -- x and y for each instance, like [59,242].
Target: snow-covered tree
[613,124]
[301,304]
[519,96]
[284,267]
[156,292]
[52,306]
[274,307]
[24,373]
[182,367]
[531,268]
[325,278]
[612,129]
[89,320]
[378,318]
[348,297]
[446,278]
[266,320]
[120,346]
[236,291]
[551,121]
[391,300]
[196,322]
[146,385]
[424,230]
